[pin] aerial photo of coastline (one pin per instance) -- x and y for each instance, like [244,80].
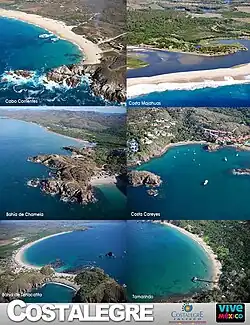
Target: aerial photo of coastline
[189,163]
[188,53]
[62,53]
[65,163]
[115,268]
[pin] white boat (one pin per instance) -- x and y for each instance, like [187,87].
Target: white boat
[225,159]
[205,182]
[237,155]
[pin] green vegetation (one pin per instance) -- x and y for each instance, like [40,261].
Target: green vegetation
[230,242]
[154,129]
[236,14]
[107,130]
[47,270]
[97,287]
[178,31]
[12,284]
[135,63]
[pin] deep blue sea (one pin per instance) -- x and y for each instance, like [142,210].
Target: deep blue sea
[150,258]
[21,48]
[18,141]
[183,169]
[226,96]
[163,62]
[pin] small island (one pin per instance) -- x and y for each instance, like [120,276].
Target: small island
[241,171]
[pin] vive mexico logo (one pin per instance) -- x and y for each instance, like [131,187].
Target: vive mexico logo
[187,315]
[230,313]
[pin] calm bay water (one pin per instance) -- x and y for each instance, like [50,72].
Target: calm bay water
[183,169]
[51,293]
[21,48]
[158,273]
[18,141]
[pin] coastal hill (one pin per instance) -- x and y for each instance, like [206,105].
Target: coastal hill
[99,22]
[102,128]
[152,131]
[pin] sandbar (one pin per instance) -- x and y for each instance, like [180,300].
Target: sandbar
[189,80]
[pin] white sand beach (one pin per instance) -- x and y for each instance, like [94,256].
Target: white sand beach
[91,51]
[216,265]
[20,262]
[189,80]
[101,180]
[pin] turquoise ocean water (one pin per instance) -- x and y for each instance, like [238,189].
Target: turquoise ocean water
[150,258]
[183,169]
[22,48]
[18,141]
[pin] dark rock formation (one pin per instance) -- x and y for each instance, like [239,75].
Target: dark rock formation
[57,263]
[105,82]
[138,178]
[70,176]
[211,147]
[241,171]
[97,287]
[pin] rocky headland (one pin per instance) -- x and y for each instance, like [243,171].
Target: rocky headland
[70,175]
[107,78]
[211,147]
[98,287]
[139,178]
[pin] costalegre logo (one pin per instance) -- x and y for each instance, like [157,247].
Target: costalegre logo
[187,315]
[230,313]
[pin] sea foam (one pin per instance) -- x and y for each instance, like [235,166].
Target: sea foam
[142,89]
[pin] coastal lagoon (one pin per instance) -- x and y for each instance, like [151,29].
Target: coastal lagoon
[162,62]
[20,140]
[29,47]
[158,273]
[183,169]
[228,93]
[51,293]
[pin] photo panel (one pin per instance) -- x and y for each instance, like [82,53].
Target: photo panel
[62,53]
[63,163]
[188,163]
[188,53]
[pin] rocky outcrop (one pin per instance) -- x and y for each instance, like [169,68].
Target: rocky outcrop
[69,178]
[107,79]
[18,74]
[105,82]
[241,171]
[139,178]
[97,287]
[211,147]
